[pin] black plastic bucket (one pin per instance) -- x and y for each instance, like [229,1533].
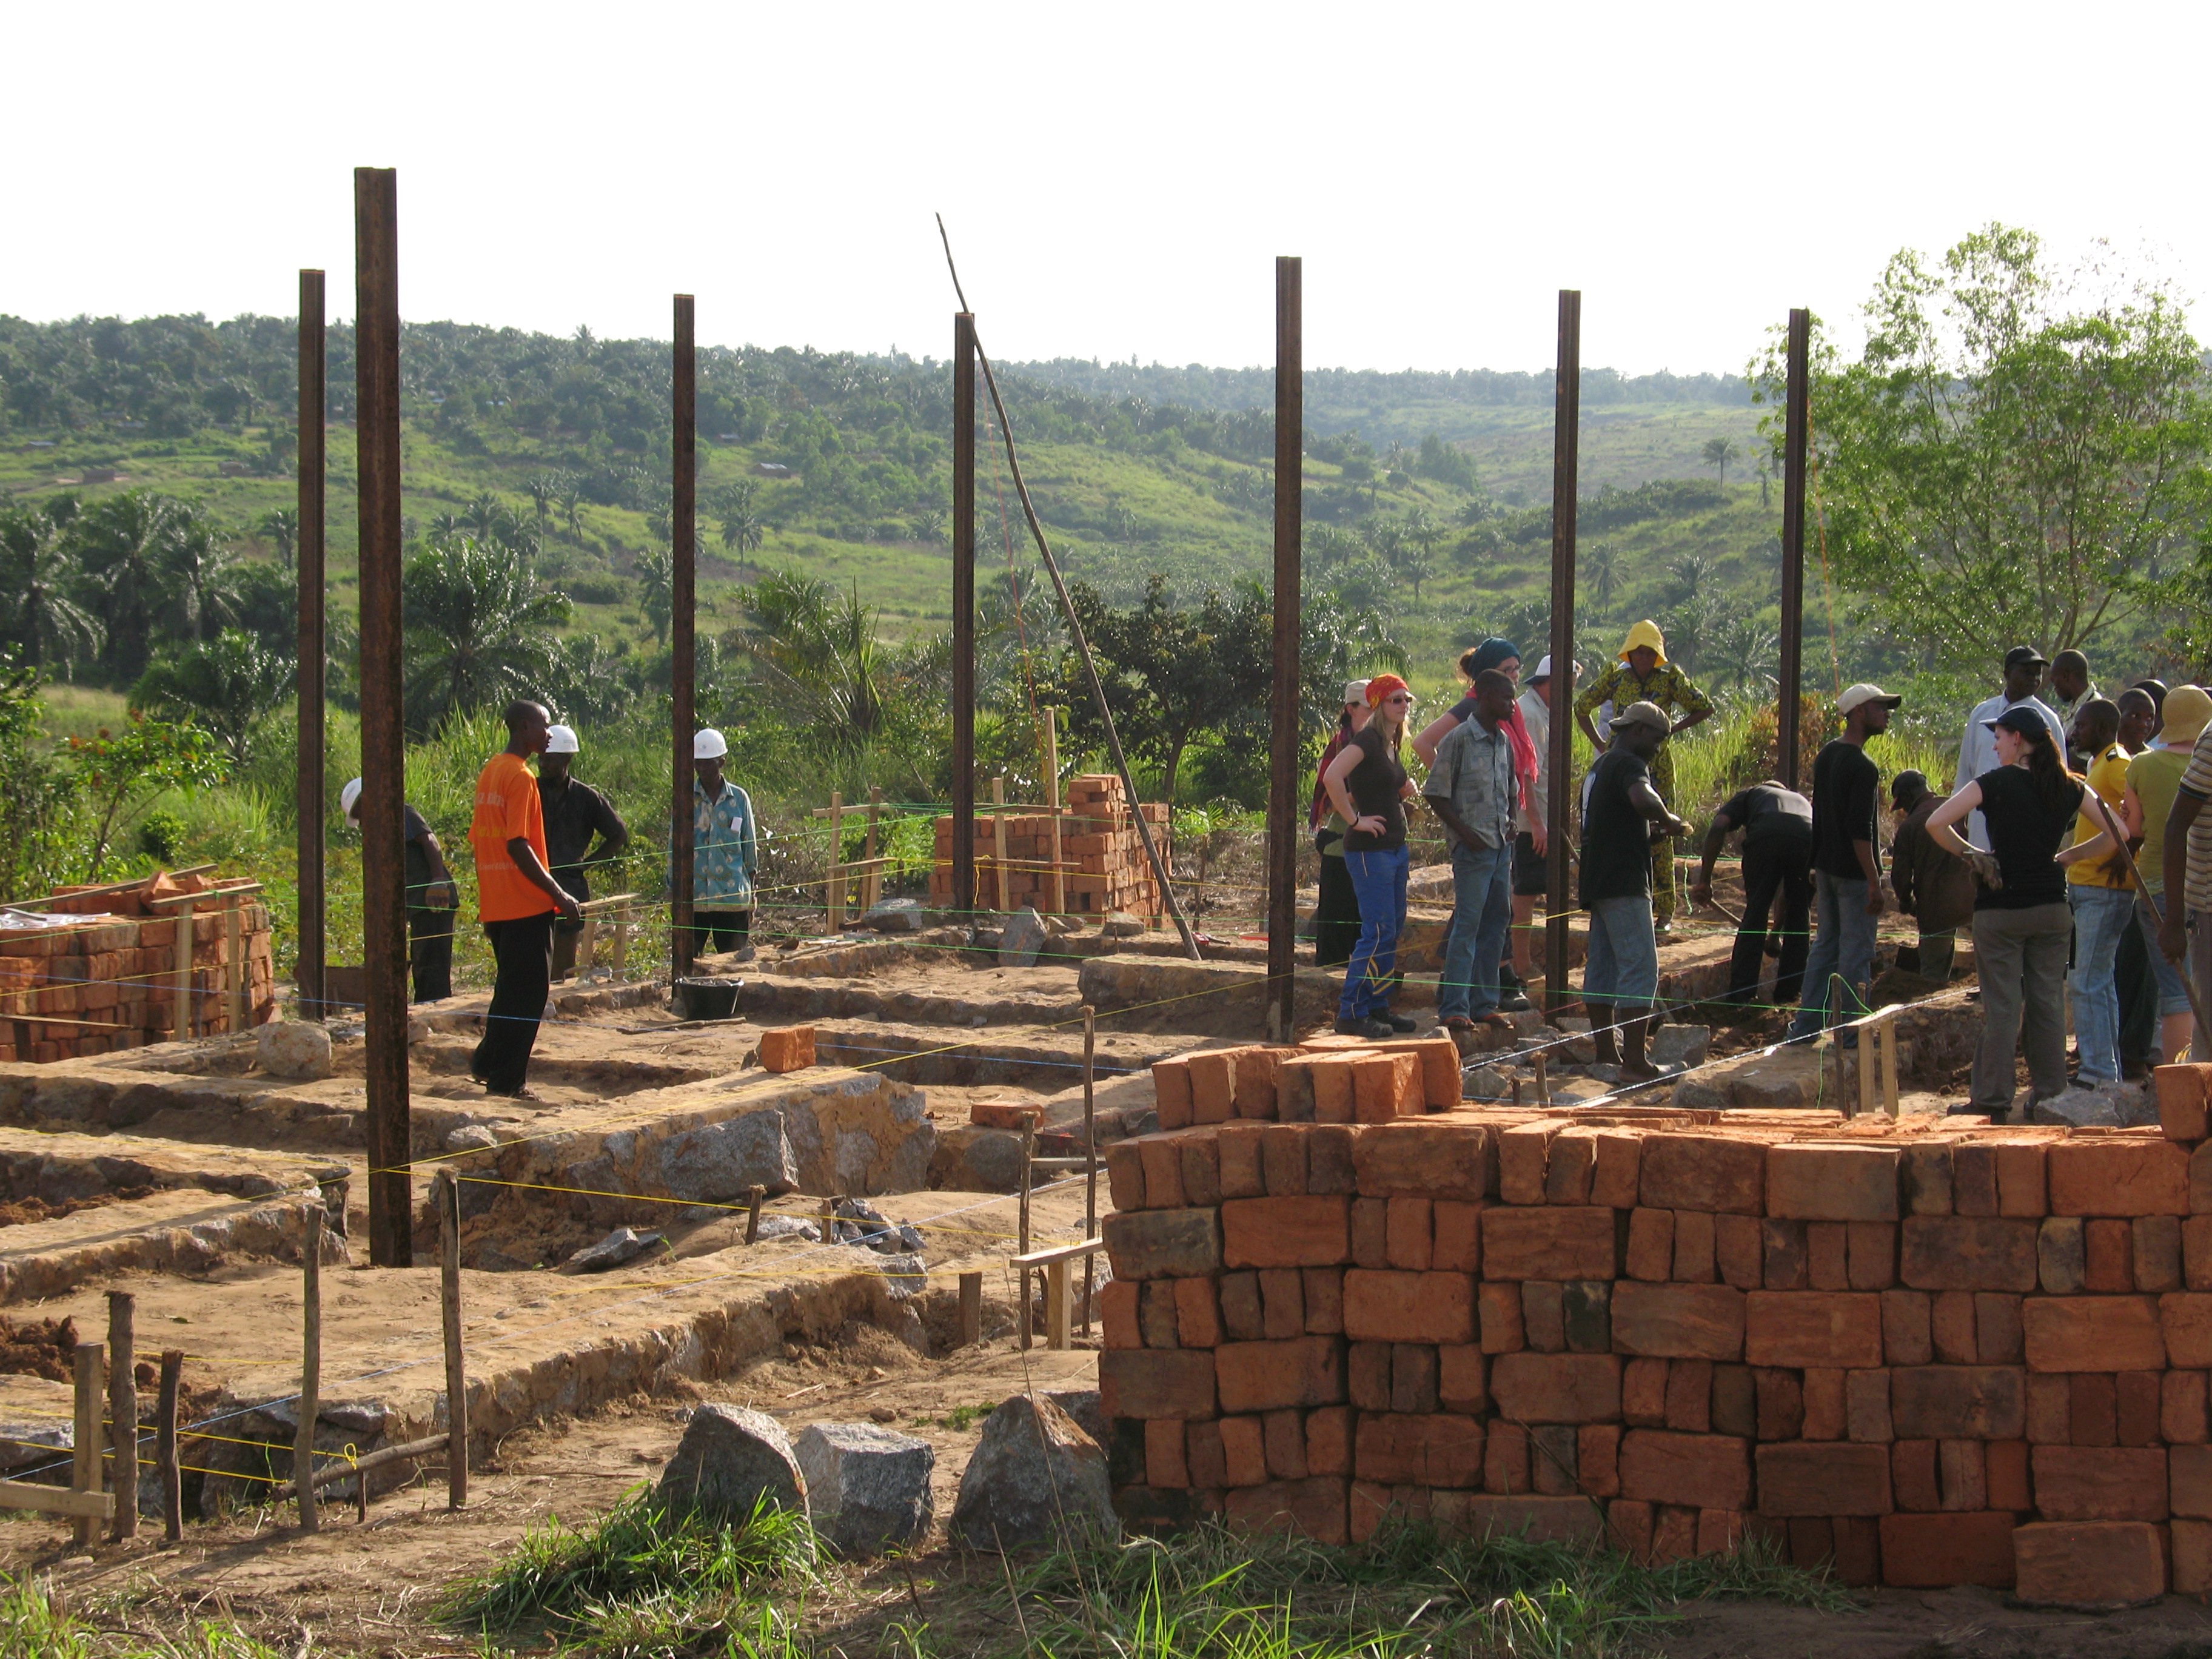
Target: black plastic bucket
[707,999]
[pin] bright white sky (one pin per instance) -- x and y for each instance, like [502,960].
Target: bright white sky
[1117,178]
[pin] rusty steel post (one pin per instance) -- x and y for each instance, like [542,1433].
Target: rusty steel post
[1566,445]
[308,974]
[1285,823]
[683,519]
[963,618]
[1790,673]
[383,739]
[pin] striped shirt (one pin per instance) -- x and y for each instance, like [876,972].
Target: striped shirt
[2196,784]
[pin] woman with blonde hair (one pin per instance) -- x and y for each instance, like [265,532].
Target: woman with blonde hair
[1368,785]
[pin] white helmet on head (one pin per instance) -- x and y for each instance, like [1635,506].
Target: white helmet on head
[560,739]
[350,797]
[708,745]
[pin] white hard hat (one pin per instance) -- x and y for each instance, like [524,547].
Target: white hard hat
[708,745]
[560,739]
[348,796]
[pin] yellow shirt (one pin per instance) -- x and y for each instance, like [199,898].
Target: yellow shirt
[2108,776]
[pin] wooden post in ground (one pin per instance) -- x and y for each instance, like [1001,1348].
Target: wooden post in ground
[181,985]
[456,1378]
[1090,1151]
[310,1368]
[754,1194]
[88,1444]
[1052,800]
[963,619]
[837,894]
[233,962]
[971,1310]
[1791,675]
[1022,1244]
[307,549]
[1285,822]
[164,1446]
[123,1410]
[1567,451]
[871,880]
[998,835]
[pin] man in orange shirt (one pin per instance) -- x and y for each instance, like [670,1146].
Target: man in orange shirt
[518,899]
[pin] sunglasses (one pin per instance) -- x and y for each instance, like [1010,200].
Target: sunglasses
[1400,697]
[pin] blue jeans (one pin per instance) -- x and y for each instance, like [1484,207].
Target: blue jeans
[1379,880]
[1843,943]
[2100,915]
[1622,967]
[1482,908]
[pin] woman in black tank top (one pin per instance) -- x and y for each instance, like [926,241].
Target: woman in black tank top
[1368,784]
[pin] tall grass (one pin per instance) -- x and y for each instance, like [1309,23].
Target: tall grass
[35,1624]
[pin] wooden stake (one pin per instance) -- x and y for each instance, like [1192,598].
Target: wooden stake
[181,985]
[754,1194]
[872,882]
[84,1473]
[1022,1245]
[456,1379]
[1089,1151]
[1543,1081]
[1051,800]
[233,962]
[998,836]
[164,1446]
[123,1410]
[310,1368]
[836,861]
[971,1310]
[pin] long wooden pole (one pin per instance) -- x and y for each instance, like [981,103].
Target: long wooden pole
[1566,444]
[164,1446]
[963,619]
[1285,820]
[90,1362]
[1790,675]
[457,1377]
[308,976]
[310,1368]
[123,1410]
[382,751]
[1089,1151]
[683,517]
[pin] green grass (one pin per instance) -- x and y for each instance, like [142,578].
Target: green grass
[34,1624]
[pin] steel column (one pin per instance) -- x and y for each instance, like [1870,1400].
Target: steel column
[383,738]
[684,522]
[1285,822]
[963,618]
[1566,446]
[1790,679]
[307,545]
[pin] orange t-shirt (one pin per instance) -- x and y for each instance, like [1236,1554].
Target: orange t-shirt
[507,805]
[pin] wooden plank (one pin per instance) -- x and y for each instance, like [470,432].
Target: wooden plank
[84,1473]
[1056,1321]
[181,970]
[1059,1252]
[57,1500]
[233,964]
[456,1380]
[971,1310]
[164,1446]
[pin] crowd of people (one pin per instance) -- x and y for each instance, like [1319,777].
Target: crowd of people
[2073,844]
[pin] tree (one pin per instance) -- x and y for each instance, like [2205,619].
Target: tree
[479,630]
[820,649]
[2015,457]
[123,541]
[1604,566]
[1719,453]
[34,807]
[122,774]
[542,489]
[41,580]
[656,590]
[282,525]
[202,574]
[224,686]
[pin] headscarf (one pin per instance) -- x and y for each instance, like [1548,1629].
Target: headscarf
[1490,652]
[1382,686]
[1645,632]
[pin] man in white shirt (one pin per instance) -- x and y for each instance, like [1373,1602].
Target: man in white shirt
[1977,750]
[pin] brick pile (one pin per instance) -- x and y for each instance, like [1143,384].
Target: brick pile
[1102,858]
[1930,1351]
[109,982]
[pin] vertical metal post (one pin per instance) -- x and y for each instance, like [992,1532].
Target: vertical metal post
[308,971]
[1790,678]
[1566,444]
[383,738]
[963,619]
[311,1367]
[1022,1224]
[123,1410]
[457,1377]
[164,1446]
[684,668]
[1285,820]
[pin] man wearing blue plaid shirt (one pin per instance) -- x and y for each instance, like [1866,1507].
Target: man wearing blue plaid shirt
[725,850]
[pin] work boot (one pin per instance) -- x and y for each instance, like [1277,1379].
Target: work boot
[1602,1033]
[1399,1022]
[1634,1068]
[1512,996]
[1373,1030]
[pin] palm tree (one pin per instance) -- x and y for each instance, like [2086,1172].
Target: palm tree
[1719,453]
[479,630]
[224,686]
[542,489]
[1693,575]
[282,525]
[821,646]
[1603,563]
[571,498]
[656,585]
[1744,651]
[36,572]
[481,516]
[204,574]
[121,540]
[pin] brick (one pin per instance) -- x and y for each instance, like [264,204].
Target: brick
[1962,1475]
[1556,1388]
[2102,1333]
[1691,1322]
[2049,1409]
[1172,1097]
[1005,1115]
[1617,1172]
[2061,1255]
[1243,1316]
[1958,1402]
[1386,1087]
[1236,1148]
[1702,1172]
[1463,1378]
[1858,1550]
[1367,1375]
[1570,1166]
[2022,1187]
[1198,1314]
[1253,1088]
[1690,1396]
[2196,1247]
[1409,1233]
[1554,1241]
[2138,1407]
[1264,1376]
[1572,1521]
[1498,1307]
[1955,1329]
[1809,1181]
[2185,1101]
[1505,1458]
[1866,1407]
[2006,1464]
[1323,1292]
[1457,1240]
[1161,1156]
[1973,1179]
[1157,1316]
[1597,1458]
[1125,1177]
[1586,1311]
[1651,1245]
[1998,1339]
[2092,1417]
[1800,1478]
[1522,1152]
[1164,1463]
[1720,1532]
[1781,1396]
[1201,1170]
[1243,1452]
[1699,1471]
[2182,1418]
[2100,1483]
[1644,1393]
[1149,1383]
[1331,1081]
[2112,1176]
[2107,1264]
[2156,1244]
[2189,1474]
[2193,1556]
[790,1049]
[1737,1251]
[1208,1462]
[1912,1480]
[2186,1319]
[1924,1179]
[1370,1232]
[1967,1253]
[1456,1450]
[1812,1328]
[1736,1401]
[1315,1508]
[1828,1261]
[2075,1565]
[1412,1377]
[1629,1524]
[1693,1248]
[1826,1412]
[1328,1441]
[1213,1085]
[1873,1249]
[1552,1460]
[1283,1304]
[1905,1336]
[1283,1160]
[1308,1231]
[1933,1552]
[1403,1307]
[2200,1182]
[1424,1160]
[1543,1315]
[1783,1249]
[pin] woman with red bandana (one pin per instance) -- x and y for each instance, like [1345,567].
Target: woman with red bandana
[1367,786]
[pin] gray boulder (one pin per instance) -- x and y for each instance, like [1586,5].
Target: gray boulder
[1035,1476]
[897,915]
[1083,1405]
[1021,938]
[2119,1105]
[715,1162]
[1120,924]
[729,1459]
[622,1245]
[1486,1084]
[293,1048]
[869,1487]
[1680,1045]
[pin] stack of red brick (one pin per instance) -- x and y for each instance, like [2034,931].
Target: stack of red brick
[1931,1352]
[110,981]
[1102,858]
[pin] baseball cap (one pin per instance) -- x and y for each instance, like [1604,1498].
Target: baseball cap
[1356,691]
[1649,716]
[708,745]
[560,739]
[2025,654]
[2026,721]
[1862,694]
[348,796]
[1543,670]
[1906,786]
